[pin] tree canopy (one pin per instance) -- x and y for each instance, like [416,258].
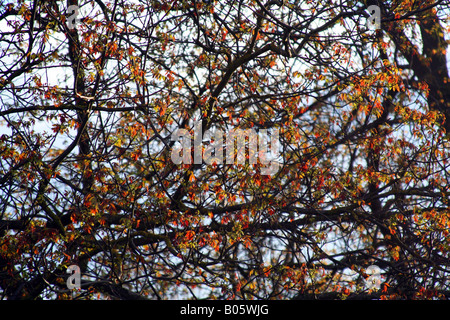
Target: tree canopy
[89,108]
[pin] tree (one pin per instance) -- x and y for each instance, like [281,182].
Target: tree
[89,112]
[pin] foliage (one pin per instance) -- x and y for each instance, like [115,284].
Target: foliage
[85,171]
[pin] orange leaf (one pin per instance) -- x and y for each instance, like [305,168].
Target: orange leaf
[190,235]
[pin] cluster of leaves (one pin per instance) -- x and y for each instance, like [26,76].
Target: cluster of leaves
[86,175]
